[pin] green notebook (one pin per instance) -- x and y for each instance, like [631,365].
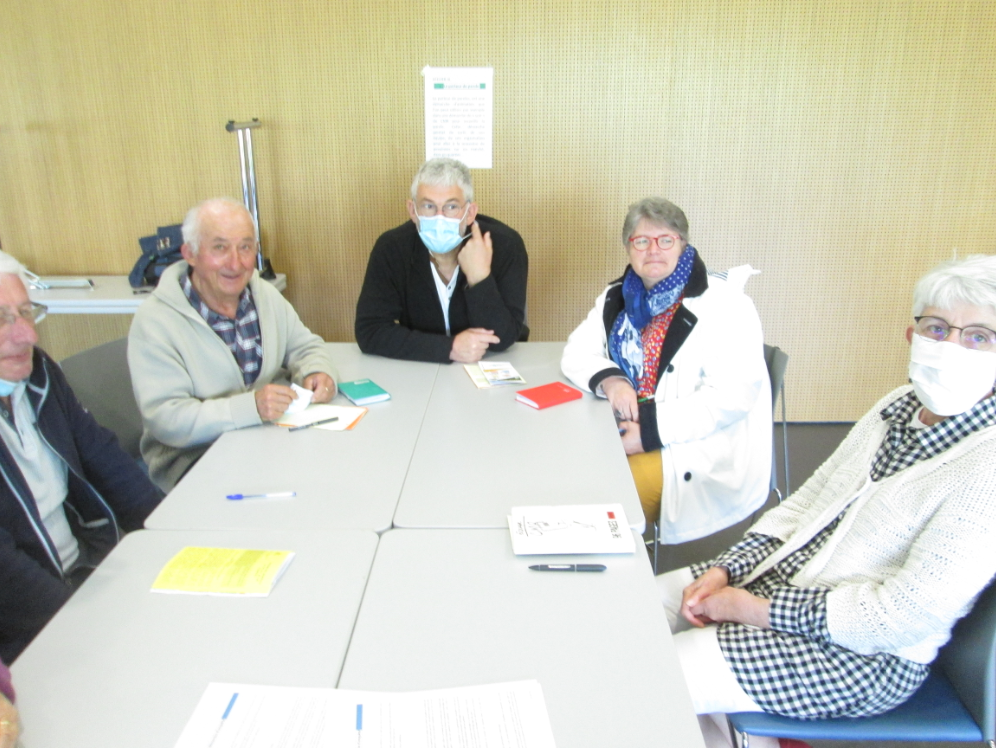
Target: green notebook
[363,392]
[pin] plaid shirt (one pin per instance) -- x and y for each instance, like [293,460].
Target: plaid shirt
[904,445]
[242,334]
[798,652]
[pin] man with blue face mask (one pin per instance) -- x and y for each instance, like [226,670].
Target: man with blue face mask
[67,489]
[450,284]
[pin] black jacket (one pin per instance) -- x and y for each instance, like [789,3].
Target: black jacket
[107,490]
[398,313]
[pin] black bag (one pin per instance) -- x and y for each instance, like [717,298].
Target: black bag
[158,252]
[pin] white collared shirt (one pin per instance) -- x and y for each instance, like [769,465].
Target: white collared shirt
[45,472]
[445,292]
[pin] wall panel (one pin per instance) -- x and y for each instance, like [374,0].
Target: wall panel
[841,147]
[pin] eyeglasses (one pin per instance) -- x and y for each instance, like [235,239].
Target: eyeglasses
[664,242]
[451,209]
[32,314]
[972,337]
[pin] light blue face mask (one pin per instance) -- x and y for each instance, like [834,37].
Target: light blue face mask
[441,234]
[7,387]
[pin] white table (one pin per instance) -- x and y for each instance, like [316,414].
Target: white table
[449,608]
[120,666]
[480,452]
[110,294]
[343,479]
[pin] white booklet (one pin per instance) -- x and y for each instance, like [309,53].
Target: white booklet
[511,714]
[579,529]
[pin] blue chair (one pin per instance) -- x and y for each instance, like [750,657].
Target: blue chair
[957,703]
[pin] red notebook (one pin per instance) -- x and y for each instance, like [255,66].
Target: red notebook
[548,395]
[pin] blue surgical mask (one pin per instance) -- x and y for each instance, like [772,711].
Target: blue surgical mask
[441,234]
[7,387]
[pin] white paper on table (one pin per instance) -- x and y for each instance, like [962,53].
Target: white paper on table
[511,714]
[300,402]
[459,114]
[578,529]
[348,416]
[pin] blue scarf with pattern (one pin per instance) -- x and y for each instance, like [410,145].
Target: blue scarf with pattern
[641,305]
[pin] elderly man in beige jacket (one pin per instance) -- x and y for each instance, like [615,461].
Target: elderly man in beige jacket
[206,348]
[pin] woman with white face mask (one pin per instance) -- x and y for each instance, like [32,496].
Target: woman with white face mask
[835,602]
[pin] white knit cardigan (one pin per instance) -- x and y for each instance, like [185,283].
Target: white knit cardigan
[914,549]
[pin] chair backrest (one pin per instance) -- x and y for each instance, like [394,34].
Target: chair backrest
[777,361]
[969,661]
[102,383]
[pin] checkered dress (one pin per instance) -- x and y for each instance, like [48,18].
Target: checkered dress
[242,334]
[795,668]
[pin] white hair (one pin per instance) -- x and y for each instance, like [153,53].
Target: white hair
[10,265]
[968,281]
[192,222]
[443,171]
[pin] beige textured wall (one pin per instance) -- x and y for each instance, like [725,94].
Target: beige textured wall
[842,147]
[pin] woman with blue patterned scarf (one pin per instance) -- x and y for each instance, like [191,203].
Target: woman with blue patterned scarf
[678,353]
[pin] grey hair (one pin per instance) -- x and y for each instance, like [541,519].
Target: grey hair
[10,265]
[968,281]
[657,211]
[192,222]
[444,171]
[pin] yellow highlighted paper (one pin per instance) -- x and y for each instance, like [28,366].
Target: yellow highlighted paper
[222,571]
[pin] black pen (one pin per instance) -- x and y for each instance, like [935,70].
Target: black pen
[568,567]
[316,423]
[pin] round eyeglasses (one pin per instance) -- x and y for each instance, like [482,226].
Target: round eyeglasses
[972,337]
[31,313]
[664,242]
[450,210]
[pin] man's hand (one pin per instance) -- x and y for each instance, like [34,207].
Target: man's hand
[630,434]
[475,257]
[732,604]
[321,384]
[711,581]
[622,397]
[470,345]
[273,400]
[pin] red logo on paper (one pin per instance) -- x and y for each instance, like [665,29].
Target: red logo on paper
[612,515]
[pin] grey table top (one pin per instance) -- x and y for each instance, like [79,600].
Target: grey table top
[448,608]
[480,452]
[121,666]
[343,479]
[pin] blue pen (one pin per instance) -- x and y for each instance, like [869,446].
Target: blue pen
[279,495]
[224,717]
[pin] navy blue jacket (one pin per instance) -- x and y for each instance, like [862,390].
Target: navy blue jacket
[107,491]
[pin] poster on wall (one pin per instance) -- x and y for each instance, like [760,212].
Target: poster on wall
[459,111]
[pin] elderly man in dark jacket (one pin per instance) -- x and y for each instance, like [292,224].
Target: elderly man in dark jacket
[67,489]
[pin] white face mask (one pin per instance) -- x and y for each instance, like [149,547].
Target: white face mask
[948,378]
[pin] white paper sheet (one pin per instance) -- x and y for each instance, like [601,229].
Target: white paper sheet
[578,529]
[511,714]
[459,114]
[347,417]
[301,401]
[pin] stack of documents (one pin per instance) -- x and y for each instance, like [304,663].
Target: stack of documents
[222,571]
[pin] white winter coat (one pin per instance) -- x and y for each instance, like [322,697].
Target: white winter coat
[713,403]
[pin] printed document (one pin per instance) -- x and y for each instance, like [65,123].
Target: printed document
[459,113]
[579,529]
[222,571]
[511,714]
